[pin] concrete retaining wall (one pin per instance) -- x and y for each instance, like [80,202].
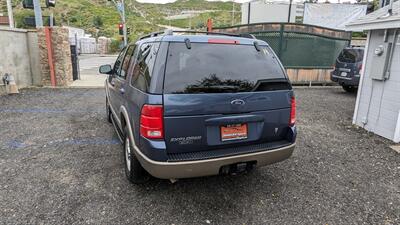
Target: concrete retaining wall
[34,59]
[19,56]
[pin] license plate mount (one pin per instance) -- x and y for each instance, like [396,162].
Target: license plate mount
[233,132]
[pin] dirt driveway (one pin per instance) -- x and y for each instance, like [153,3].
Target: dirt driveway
[61,163]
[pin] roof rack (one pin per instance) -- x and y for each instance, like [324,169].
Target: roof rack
[171,32]
[154,34]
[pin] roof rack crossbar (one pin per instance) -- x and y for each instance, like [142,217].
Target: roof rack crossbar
[205,32]
[171,32]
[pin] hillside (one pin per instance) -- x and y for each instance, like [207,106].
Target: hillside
[100,18]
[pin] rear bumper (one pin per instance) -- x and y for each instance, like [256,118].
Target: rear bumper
[208,167]
[351,81]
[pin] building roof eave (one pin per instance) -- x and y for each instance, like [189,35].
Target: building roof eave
[374,25]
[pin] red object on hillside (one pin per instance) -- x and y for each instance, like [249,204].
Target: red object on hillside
[209,25]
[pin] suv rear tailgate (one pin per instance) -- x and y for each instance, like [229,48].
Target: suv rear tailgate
[192,127]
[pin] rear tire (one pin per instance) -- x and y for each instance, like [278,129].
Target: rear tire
[135,173]
[349,88]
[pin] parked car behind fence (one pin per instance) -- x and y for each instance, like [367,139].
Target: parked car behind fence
[348,68]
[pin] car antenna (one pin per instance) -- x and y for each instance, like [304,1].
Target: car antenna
[188,44]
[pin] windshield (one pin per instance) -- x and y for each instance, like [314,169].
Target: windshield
[351,55]
[221,68]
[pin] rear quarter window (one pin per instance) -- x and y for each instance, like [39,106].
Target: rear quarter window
[143,68]
[222,68]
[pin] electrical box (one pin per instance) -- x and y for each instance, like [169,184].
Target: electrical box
[30,21]
[27,4]
[380,59]
[50,3]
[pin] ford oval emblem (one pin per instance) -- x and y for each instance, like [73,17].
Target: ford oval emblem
[238,102]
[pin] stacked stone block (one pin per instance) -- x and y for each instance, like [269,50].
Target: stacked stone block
[61,56]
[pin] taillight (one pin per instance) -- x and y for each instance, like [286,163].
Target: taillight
[292,120]
[360,67]
[151,122]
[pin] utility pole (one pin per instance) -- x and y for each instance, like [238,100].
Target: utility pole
[248,12]
[121,10]
[38,13]
[290,10]
[124,22]
[10,14]
[190,20]
[233,13]
[51,22]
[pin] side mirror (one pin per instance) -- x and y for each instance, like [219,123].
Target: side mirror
[105,69]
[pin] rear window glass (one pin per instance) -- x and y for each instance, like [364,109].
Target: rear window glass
[351,55]
[221,68]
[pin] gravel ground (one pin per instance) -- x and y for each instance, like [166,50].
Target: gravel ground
[61,163]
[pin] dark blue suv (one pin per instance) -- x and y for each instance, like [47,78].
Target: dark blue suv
[348,67]
[199,104]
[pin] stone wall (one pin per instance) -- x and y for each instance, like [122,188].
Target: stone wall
[61,56]
[103,45]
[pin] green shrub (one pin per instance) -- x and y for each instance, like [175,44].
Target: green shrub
[115,46]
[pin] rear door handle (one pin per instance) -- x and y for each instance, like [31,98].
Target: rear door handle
[122,90]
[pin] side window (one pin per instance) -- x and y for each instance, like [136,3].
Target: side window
[118,62]
[126,62]
[144,66]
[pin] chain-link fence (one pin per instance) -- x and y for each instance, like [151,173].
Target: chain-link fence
[298,46]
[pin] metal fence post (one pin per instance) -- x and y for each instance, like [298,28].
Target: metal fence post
[281,41]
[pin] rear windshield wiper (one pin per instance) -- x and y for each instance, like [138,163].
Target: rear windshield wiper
[224,87]
[212,88]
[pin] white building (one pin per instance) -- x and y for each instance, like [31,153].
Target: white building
[85,43]
[268,12]
[378,100]
[334,16]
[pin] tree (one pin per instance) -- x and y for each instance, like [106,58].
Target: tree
[97,21]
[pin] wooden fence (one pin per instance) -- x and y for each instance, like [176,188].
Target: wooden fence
[309,76]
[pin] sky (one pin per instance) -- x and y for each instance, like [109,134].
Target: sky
[167,1]
[239,1]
